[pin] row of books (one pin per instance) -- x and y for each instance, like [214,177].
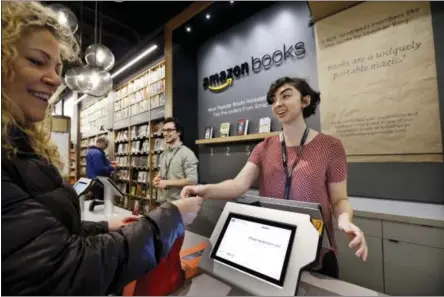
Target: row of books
[138,161]
[154,94]
[140,107]
[122,175]
[136,206]
[122,161]
[100,104]
[138,132]
[148,78]
[140,146]
[141,176]
[241,128]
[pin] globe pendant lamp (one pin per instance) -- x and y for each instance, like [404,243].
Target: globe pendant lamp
[66,17]
[98,55]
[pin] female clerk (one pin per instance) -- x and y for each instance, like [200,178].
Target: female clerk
[315,169]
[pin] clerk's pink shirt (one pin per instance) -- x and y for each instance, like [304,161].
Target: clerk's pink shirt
[323,161]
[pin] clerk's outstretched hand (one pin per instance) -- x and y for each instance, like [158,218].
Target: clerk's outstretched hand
[356,237]
[192,191]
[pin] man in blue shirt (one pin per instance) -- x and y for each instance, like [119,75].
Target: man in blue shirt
[97,164]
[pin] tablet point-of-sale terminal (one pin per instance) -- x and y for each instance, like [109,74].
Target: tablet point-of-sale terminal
[110,190]
[314,210]
[261,250]
[81,187]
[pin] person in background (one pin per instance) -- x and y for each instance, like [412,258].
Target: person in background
[178,164]
[47,249]
[97,164]
[299,164]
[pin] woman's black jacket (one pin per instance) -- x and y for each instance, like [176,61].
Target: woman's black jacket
[43,256]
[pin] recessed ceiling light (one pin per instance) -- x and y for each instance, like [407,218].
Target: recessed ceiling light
[208,16]
[231,2]
[188,28]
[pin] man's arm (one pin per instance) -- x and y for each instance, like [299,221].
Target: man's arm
[189,167]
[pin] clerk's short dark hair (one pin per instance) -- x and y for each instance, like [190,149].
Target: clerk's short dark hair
[177,125]
[302,86]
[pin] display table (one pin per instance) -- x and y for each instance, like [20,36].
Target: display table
[312,284]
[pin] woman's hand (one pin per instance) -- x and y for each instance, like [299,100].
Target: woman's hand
[116,224]
[356,236]
[189,208]
[195,190]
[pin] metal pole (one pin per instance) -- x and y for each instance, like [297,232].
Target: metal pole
[109,202]
[82,207]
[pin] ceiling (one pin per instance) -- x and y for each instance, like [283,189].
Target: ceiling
[217,18]
[125,25]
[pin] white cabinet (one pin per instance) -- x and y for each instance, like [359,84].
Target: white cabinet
[352,269]
[404,259]
[413,259]
[413,269]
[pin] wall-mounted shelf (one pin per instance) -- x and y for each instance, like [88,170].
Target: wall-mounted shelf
[237,138]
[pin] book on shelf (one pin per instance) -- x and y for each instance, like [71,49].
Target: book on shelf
[265,125]
[136,210]
[159,144]
[122,161]
[145,147]
[139,161]
[225,129]
[242,127]
[209,132]
[122,136]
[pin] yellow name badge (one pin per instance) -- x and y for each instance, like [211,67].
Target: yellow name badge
[318,225]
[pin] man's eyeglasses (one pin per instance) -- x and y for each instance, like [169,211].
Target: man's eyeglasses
[168,130]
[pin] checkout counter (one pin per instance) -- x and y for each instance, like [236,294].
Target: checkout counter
[286,237]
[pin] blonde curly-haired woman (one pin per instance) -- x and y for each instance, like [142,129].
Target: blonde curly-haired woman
[44,253]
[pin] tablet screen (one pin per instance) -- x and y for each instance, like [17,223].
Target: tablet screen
[256,246]
[80,187]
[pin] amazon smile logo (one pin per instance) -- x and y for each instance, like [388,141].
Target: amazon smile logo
[222,80]
[225,78]
[222,86]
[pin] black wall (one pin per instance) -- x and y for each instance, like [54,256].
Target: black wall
[185,93]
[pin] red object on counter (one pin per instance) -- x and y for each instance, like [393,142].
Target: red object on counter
[166,278]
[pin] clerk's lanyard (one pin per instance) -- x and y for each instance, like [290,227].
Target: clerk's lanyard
[169,163]
[289,174]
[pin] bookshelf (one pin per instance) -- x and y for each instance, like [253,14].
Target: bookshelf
[139,108]
[133,113]
[142,93]
[72,166]
[94,120]
[94,116]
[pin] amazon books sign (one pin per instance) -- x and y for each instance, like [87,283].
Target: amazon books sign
[222,80]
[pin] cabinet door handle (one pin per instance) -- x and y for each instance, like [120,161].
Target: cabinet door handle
[393,240]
